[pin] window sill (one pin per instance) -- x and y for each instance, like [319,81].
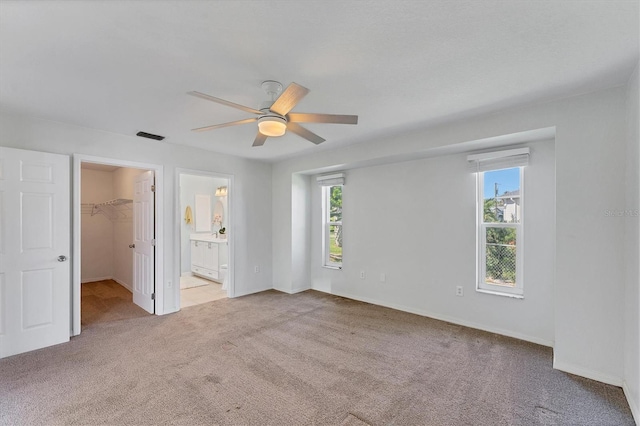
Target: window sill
[339,268]
[500,293]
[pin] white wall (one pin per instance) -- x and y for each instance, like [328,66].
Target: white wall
[251,202]
[300,225]
[123,182]
[97,230]
[415,222]
[123,186]
[588,328]
[190,185]
[632,252]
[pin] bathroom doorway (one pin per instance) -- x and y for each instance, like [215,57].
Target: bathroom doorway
[205,233]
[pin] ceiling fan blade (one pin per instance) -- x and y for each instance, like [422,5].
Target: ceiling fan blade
[307,134]
[223,102]
[297,117]
[289,98]
[231,123]
[260,138]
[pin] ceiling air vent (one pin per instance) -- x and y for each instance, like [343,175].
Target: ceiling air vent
[149,136]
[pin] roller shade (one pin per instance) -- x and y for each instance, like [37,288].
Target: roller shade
[331,180]
[497,160]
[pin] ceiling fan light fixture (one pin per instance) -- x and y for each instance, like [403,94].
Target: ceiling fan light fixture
[272,126]
[275,117]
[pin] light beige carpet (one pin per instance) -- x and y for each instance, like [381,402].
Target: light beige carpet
[304,359]
[104,301]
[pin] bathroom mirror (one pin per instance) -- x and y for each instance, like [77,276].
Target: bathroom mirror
[203,213]
[218,213]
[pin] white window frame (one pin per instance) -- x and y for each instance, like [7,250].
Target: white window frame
[481,285]
[326,227]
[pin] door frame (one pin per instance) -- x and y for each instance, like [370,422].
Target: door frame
[230,229]
[158,170]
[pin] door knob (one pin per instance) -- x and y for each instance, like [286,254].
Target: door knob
[132,246]
[62,258]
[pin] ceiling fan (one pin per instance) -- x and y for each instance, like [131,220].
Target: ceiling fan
[274,117]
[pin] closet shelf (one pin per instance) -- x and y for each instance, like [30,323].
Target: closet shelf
[113,209]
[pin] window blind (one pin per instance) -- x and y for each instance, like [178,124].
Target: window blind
[497,160]
[331,180]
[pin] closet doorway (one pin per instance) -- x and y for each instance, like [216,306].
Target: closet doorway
[115,268]
[205,233]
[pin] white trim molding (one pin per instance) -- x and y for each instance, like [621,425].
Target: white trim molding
[95,279]
[586,373]
[231,289]
[158,170]
[98,279]
[633,404]
[457,321]
[123,284]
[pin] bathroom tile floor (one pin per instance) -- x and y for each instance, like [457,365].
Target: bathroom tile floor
[199,291]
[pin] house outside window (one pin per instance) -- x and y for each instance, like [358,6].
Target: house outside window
[500,236]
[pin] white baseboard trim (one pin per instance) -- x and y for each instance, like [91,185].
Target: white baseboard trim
[294,291]
[246,293]
[93,280]
[585,372]
[123,284]
[445,318]
[633,403]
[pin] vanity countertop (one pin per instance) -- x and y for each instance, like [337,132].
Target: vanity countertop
[210,238]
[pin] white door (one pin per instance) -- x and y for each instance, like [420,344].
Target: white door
[144,241]
[35,235]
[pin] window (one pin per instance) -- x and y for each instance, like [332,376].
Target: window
[500,216]
[332,225]
[332,185]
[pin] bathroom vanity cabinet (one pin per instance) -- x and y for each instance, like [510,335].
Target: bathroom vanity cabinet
[207,255]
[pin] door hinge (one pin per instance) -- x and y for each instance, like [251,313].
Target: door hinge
[153,296]
[153,188]
[153,242]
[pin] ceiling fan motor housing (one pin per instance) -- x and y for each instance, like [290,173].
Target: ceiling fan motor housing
[272,88]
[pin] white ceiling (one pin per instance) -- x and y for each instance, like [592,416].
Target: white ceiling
[126,66]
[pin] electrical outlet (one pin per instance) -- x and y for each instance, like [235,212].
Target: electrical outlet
[362,275]
[169,284]
[459,291]
[383,277]
[256,269]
